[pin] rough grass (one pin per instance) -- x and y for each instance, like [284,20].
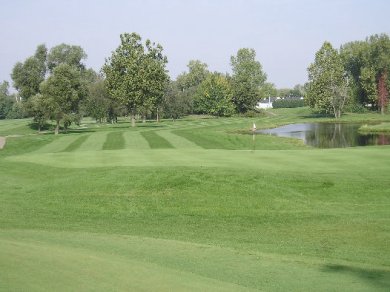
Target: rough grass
[225,215]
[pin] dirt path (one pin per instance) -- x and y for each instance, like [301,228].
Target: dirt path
[2,142]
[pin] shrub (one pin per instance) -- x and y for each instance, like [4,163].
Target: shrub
[288,103]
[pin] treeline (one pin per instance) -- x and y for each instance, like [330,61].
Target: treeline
[355,76]
[56,85]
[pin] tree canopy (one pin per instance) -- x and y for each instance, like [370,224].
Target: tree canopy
[64,90]
[135,73]
[367,62]
[214,96]
[28,75]
[327,87]
[247,79]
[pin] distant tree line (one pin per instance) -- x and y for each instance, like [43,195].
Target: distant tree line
[355,77]
[56,85]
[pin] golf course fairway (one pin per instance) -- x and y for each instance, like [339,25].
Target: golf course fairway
[190,205]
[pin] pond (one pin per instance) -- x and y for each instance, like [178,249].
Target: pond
[329,135]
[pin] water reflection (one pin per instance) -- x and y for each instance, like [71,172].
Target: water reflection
[329,135]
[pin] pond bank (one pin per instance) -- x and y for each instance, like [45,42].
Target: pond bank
[380,128]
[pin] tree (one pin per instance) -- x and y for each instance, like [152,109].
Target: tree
[367,62]
[6,100]
[247,79]
[39,108]
[383,92]
[28,75]
[66,54]
[98,101]
[64,90]
[268,90]
[214,96]
[136,74]
[327,90]
[197,72]
[176,103]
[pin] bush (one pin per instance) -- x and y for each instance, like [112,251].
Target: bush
[288,103]
[355,108]
[17,112]
[253,113]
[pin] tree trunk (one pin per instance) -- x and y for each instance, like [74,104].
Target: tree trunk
[144,119]
[133,118]
[57,130]
[158,116]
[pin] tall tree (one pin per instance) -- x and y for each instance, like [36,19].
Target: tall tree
[136,74]
[64,90]
[40,109]
[6,100]
[28,75]
[214,96]
[366,62]
[66,54]
[383,92]
[247,79]
[380,58]
[327,89]
[176,103]
[197,72]
[98,101]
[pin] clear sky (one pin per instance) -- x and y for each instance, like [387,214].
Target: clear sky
[285,34]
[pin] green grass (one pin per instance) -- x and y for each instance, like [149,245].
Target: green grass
[155,140]
[381,128]
[134,140]
[114,141]
[76,143]
[193,205]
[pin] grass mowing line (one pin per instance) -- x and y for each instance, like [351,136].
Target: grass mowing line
[293,160]
[176,140]
[101,261]
[114,141]
[156,141]
[134,140]
[94,142]
[75,144]
[59,144]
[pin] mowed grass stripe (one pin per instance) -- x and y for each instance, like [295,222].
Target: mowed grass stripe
[177,141]
[75,144]
[59,144]
[156,141]
[94,142]
[114,141]
[134,140]
[11,124]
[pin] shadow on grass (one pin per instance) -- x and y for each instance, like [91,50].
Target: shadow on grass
[45,127]
[376,277]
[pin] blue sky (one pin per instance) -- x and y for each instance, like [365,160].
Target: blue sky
[285,34]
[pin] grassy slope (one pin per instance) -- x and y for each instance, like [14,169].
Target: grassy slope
[195,216]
